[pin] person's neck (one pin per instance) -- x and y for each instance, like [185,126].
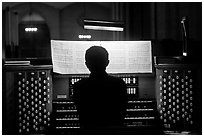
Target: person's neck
[98,73]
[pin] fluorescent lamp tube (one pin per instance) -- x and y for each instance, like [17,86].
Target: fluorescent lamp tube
[103,28]
[103,25]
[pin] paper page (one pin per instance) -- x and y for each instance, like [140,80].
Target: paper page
[68,57]
[129,56]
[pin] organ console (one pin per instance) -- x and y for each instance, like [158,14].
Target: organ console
[139,113]
[32,105]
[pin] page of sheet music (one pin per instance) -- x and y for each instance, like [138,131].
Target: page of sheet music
[68,57]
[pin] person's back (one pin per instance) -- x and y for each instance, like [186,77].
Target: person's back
[100,99]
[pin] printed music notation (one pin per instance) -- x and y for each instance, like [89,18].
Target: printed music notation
[68,57]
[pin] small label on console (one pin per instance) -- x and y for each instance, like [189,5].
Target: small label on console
[62,96]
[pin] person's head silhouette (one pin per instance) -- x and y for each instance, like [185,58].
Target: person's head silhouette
[96,58]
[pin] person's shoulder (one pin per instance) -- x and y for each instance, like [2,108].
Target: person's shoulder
[81,82]
[116,79]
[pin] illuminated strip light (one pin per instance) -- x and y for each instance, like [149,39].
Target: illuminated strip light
[103,25]
[140,118]
[103,28]
[65,127]
[31,29]
[139,109]
[62,119]
[140,101]
[139,125]
[66,110]
[64,102]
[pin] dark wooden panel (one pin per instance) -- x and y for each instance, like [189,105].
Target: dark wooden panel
[27,99]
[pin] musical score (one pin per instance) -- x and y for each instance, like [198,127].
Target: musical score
[68,57]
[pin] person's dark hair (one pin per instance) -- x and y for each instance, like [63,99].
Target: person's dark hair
[96,58]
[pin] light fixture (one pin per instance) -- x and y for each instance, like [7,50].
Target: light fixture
[184,23]
[31,27]
[103,25]
[84,36]
[184,54]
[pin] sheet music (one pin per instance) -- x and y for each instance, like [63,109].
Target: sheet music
[68,57]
